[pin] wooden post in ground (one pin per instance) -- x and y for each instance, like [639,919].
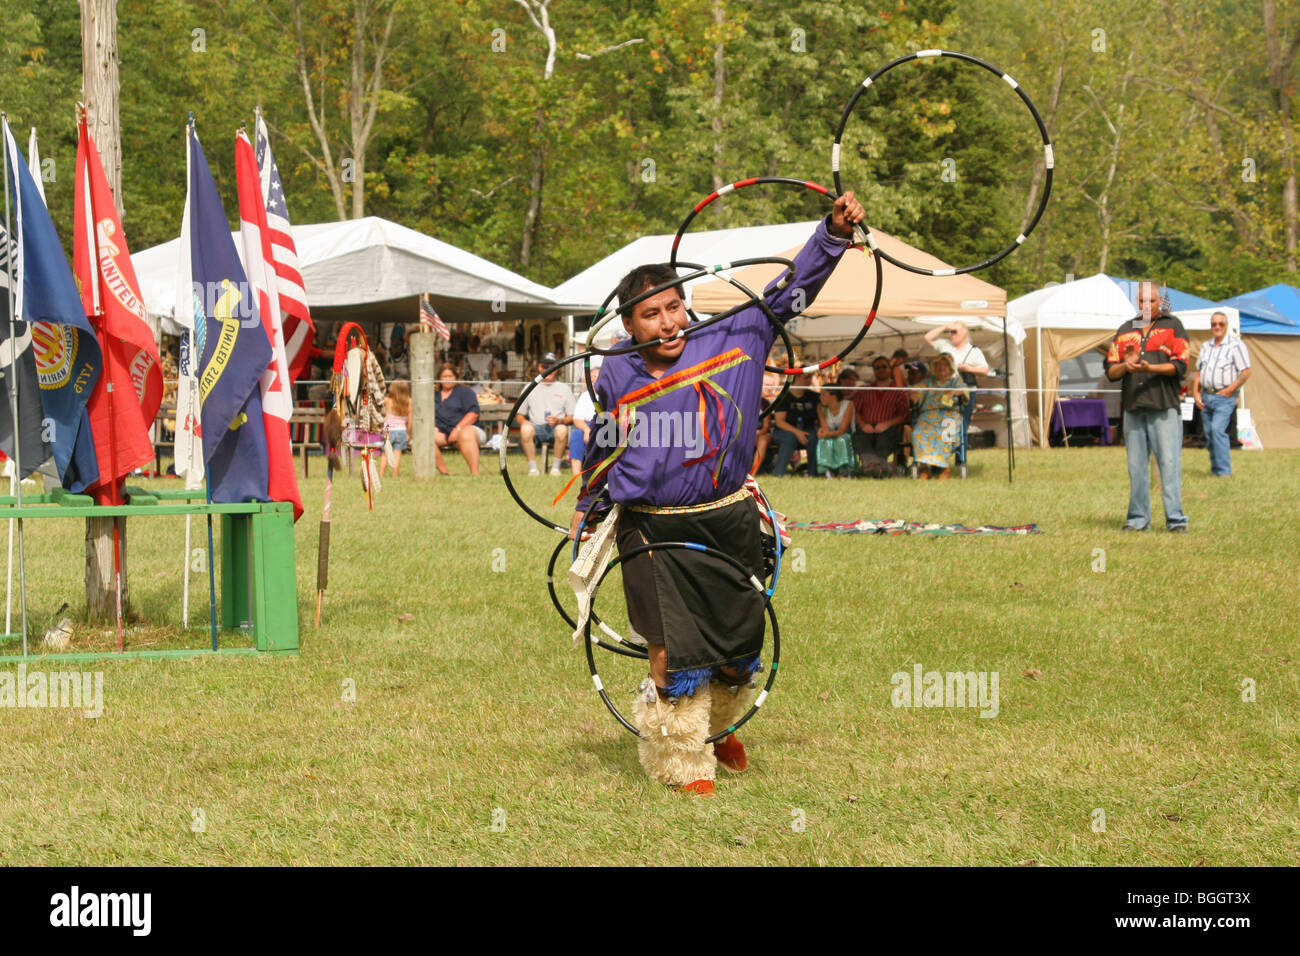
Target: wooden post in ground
[100,91]
[423,390]
[101,581]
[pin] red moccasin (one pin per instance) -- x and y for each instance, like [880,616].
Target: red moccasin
[731,753]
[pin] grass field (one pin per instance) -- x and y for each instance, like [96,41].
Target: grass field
[1121,690]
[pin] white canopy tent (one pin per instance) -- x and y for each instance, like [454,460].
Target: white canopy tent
[1067,319]
[372,269]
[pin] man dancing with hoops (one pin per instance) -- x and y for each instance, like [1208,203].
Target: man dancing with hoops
[703,625]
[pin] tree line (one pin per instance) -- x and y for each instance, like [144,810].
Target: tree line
[544,134]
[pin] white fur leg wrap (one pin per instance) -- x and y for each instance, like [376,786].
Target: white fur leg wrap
[672,747]
[728,704]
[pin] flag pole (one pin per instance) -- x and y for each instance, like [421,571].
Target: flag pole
[186,382]
[183,383]
[207,480]
[323,545]
[9,566]
[13,382]
[212,581]
[115,487]
[185,591]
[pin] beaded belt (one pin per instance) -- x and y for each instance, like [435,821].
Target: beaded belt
[730,499]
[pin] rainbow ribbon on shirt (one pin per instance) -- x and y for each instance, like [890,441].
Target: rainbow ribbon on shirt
[699,377]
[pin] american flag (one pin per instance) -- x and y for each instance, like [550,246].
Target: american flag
[298,328]
[429,318]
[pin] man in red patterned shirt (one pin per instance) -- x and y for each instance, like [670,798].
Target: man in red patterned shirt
[880,410]
[1149,356]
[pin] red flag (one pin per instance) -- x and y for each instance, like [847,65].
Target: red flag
[294,314]
[259,263]
[110,294]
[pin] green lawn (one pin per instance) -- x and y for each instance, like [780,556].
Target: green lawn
[478,703]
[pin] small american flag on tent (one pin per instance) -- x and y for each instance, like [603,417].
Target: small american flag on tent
[295,317]
[430,319]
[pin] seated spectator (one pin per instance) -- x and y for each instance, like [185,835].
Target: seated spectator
[898,368]
[968,362]
[795,426]
[881,411]
[546,416]
[584,412]
[771,388]
[834,454]
[915,373]
[397,425]
[455,417]
[937,431]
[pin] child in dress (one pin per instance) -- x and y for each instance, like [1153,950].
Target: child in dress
[397,425]
[834,438]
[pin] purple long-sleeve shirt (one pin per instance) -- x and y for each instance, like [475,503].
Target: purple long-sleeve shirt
[667,459]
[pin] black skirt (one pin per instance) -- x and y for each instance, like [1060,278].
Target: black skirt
[696,604]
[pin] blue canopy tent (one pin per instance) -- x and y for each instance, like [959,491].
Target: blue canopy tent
[1179,301]
[1274,310]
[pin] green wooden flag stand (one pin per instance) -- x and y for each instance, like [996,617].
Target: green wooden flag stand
[259,588]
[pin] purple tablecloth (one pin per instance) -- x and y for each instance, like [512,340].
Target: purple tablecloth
[1082,413]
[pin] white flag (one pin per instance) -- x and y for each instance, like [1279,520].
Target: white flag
[188,315]
[34,165]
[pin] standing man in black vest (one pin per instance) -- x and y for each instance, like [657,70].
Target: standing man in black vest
[1149,356]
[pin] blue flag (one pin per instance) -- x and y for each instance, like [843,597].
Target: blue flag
[232,344]
[56,345]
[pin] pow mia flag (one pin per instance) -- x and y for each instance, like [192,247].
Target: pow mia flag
[18,370]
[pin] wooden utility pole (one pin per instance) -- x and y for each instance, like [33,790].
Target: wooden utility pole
[423,392]
[100,89]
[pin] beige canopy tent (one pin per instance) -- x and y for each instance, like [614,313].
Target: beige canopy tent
[853,284]
[1273,392]
[910,304]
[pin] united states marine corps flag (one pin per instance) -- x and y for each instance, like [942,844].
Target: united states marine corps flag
[233,347]
[123,407]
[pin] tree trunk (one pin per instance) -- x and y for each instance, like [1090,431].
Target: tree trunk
[100,92]
[1040,175]
[540,17]
[535,178]
[719,91]
[318,118]
[363,100]
[1187,83]
[101,579]
[1279,69]
[357,110]
[100,88]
